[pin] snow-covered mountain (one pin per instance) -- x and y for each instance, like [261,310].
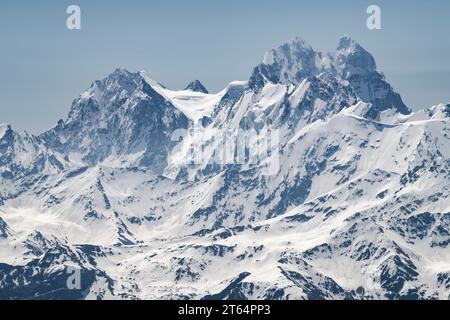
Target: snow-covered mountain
[136,190]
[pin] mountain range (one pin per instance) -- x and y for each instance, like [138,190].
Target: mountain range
[352,202]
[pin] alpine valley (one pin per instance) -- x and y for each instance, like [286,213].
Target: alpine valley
[358,207]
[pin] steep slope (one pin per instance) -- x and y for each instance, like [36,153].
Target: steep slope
[355,65]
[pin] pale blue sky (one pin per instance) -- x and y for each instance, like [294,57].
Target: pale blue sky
[44,66]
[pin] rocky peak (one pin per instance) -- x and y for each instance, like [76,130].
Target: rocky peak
[196,86]
[352,59]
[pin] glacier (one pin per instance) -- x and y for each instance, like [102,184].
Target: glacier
[358,208]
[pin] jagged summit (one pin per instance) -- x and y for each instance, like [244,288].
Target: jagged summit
[196,86]
[289,52]
[119,82]
[351,58]
[357,66]
[125,113]
[350,64]
[347,42]
[287,64]
[296,60]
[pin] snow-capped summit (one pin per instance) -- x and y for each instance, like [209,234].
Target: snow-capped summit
[352,59]
[196,86]
[288,53]
[286,64]
[24,156]
[124,115]
[353,67]
[357,66]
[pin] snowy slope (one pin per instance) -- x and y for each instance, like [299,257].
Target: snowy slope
[358,207]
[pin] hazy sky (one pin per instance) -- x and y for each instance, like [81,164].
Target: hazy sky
[44,66]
